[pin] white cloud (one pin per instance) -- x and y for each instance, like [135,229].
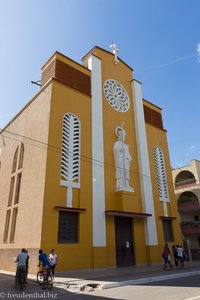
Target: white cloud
[188,156]
[190,150]
[198,52]
[192,147]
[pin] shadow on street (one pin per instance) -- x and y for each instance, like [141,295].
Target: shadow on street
[34,291]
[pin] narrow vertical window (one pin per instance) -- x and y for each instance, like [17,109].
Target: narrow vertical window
[14,167]
[12,181]
[70,159]
[14,192]
[13,225]
[161,174]
[21,157]
[6,229]
[17,190]
[167,230]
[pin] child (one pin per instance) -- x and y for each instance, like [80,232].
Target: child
[166,256]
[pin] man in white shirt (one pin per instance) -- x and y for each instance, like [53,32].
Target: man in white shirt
[53,257]
[180,254]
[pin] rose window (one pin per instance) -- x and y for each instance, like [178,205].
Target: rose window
[116,95]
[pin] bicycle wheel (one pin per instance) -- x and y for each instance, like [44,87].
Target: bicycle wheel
[49,282]
[181,265]
[40,278]
[17,283]
[20,283]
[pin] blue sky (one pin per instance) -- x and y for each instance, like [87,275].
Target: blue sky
[159,39]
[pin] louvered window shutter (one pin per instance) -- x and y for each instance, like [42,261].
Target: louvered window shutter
[70,159]
[161,174]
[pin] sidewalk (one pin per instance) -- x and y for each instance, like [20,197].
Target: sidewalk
[113,277]
[88,280]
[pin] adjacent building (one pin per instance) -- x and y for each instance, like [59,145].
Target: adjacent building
[85,169]
[187,189]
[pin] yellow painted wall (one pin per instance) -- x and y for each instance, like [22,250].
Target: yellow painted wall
[124,201]
[110,230]
[158,137]
[112,119]
[139,238]
[71,256]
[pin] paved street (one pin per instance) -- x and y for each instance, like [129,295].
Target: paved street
[34,291]
[186,288]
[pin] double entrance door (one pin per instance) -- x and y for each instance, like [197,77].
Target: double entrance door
[124,241]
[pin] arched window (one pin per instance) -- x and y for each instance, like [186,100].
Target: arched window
[161,174]
[15,185]
[70,159]
[184,178]
[187,197]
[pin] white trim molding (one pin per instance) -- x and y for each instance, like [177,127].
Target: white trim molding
[70,157]
[98,184]
[161,178]
[144,167]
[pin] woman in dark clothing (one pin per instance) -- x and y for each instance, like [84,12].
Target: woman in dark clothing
[175,254]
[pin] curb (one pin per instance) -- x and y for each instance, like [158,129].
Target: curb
[148,279]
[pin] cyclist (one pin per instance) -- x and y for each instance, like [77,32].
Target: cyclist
[21,265]
[43,259]
[45,263]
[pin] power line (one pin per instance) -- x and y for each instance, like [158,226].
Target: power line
[44,145]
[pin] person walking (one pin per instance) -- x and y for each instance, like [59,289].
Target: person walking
[27,265]
[180,255]
[167,257]
[175,254]
[21,265]
[53,257]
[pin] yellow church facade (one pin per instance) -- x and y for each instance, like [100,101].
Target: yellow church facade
[85,169]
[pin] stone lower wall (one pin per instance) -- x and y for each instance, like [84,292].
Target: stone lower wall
[7,259]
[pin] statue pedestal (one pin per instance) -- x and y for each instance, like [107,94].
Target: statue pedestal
[125,189]
[124,200]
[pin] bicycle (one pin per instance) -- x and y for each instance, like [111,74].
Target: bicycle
[20,279]
[44,278]
[181,261]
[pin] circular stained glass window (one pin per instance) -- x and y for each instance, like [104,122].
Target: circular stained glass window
[116,95]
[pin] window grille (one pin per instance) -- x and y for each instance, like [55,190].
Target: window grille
[70,159]
[68,227]
[161,174]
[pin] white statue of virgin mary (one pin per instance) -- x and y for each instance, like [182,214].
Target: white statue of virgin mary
[122,159]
